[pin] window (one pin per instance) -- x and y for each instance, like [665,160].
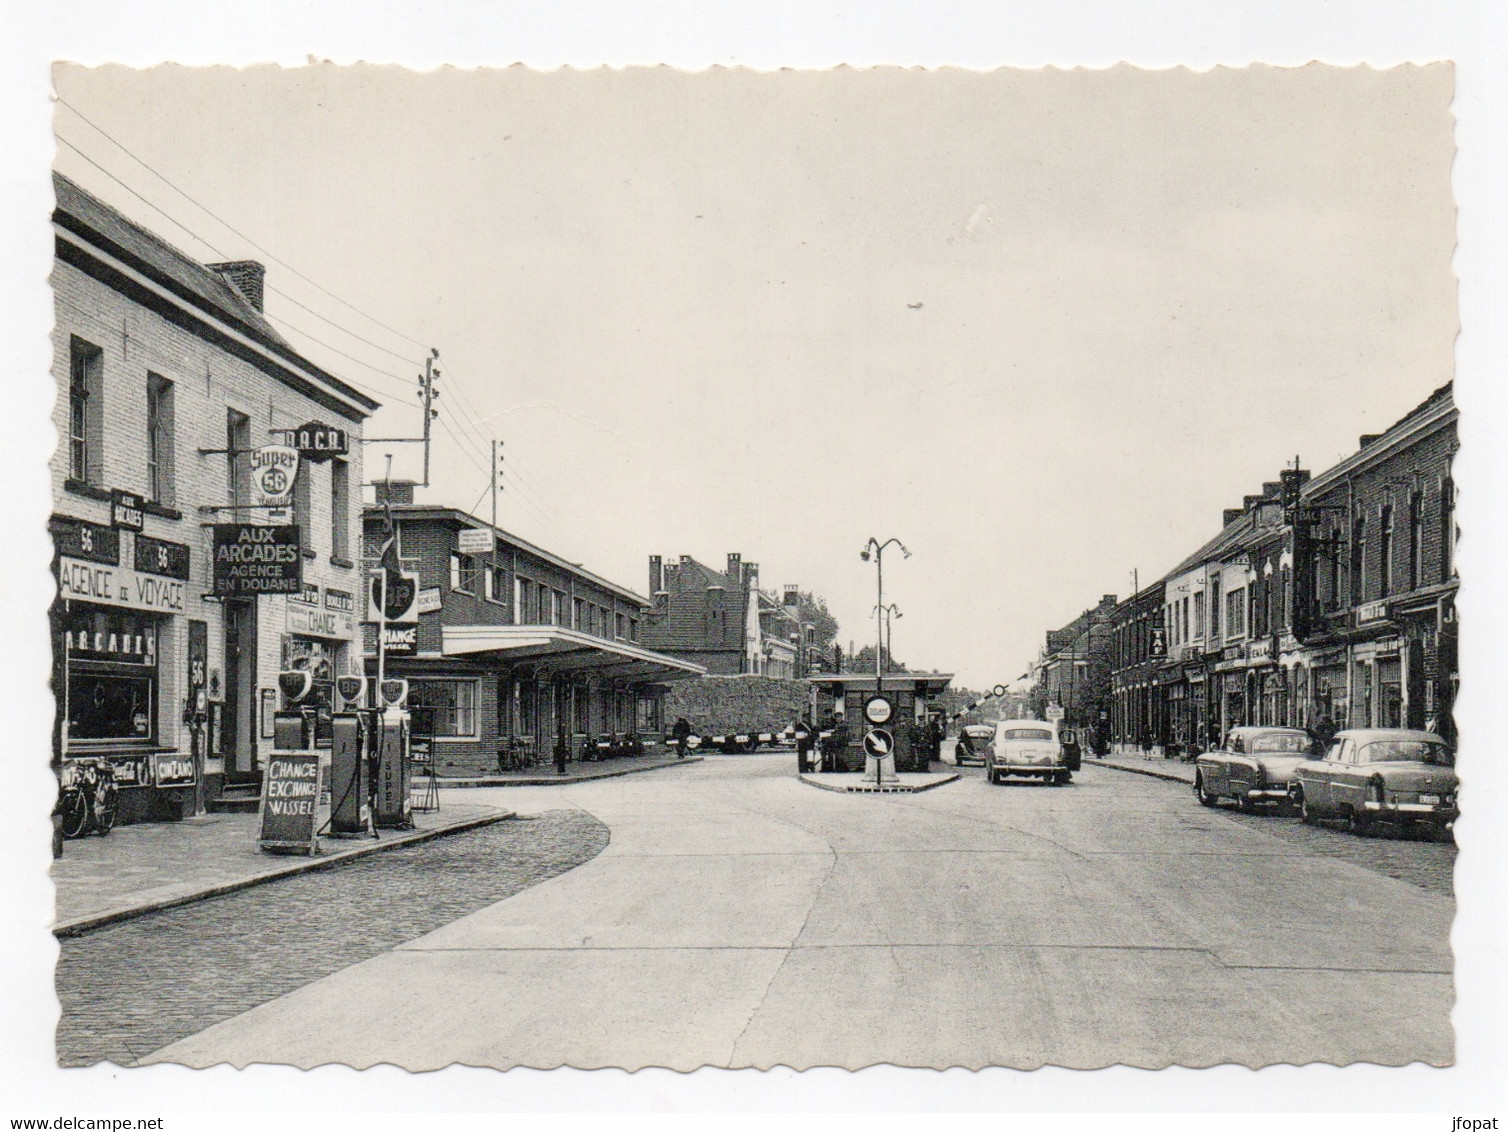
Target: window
[1214,604]
[1235,613]
[340,509]
[159,439]
[112,676]
[465,573]
[443,709]
[303,504]
[1416,540]
[238,460]
[85,411]
[518,600]
[577,606]
[620,623]
[1199,613]
[1385,545]
[1447,529]
[498,590]
[633,628]
[1359,560]
[557,605]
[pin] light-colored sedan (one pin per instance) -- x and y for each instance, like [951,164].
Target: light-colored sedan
[1400,777]
[1026,747]
[1255,765]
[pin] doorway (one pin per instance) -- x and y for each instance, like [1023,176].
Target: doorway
[239,741]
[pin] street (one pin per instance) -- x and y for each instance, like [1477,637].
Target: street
[740,918]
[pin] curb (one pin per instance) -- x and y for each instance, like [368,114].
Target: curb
[557,780]
[1150,773]
[846,790]
[86,924]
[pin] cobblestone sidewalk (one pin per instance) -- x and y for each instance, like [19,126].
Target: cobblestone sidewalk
[131,988]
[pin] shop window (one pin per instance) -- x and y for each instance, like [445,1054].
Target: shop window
[443,709]
[86,411]
[340,509]
[160,439]
[112,676]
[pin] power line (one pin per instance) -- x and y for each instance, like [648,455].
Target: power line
[118,145]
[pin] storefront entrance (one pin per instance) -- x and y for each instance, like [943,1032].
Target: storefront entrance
[239,722]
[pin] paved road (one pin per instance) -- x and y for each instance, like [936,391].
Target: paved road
[739,918]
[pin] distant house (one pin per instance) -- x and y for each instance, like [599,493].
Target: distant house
[720,619]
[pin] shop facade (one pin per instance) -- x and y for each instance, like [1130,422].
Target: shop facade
[169,377]
[513,646]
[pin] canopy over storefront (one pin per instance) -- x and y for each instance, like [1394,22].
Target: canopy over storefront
[556,649]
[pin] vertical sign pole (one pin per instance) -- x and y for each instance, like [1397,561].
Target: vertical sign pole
[879,629]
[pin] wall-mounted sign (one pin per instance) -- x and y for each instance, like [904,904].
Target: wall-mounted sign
[472,541]
[251,560]
[1054,712]
[131,770]
[318,441]
[274,468]
[74,538]
[1159,642]
[1371,611]
[158,556]
[429,599]
[320,622]
[1260,650]
[126,510]
[400,638]
[120,637]
[341,601]
[173,769]
[309,595]
[116,585]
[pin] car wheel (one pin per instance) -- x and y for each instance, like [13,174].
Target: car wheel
[1067,777]
[1359,822]
[1306,814]
[1204,796]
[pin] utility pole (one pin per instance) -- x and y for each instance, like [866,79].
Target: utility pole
[429,395]
[497,476]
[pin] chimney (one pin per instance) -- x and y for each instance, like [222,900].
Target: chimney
[790,596]
[400,493]
[1230,515]
[751,575]
[245,275]
[735,566]
[1272,490]
[1250,501]
[1367,439]
[656,575]
[685,559]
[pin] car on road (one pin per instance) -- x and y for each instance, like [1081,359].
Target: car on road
[1254,766]
[1370,776]
[1029,748]
[973,740]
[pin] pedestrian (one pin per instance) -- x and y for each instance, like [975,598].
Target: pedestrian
[806,740]
[562,752]
[680,731]
[1324,730]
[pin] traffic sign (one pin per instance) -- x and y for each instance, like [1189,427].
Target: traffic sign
[998,689]
[878,743]
[878,709]
[1054,712]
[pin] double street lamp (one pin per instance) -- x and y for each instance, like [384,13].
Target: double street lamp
[877,548]
[888,613]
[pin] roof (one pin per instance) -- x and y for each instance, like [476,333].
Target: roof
[109,231]
[561,650]
[861,681]
[377,511]
[690,567]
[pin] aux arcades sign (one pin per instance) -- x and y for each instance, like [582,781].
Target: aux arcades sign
[251,560]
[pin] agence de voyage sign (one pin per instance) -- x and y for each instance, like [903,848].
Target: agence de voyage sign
[251,560]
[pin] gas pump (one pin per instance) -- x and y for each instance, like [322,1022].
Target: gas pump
[351,726]
[391,806]
[293,727]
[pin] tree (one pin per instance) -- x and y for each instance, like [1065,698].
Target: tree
[863,661]
[813,611]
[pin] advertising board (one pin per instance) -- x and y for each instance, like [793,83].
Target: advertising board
[290,803]
[251,560]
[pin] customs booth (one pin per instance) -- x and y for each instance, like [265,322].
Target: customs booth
[844,697]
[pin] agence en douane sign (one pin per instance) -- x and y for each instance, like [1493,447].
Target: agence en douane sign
[251,560]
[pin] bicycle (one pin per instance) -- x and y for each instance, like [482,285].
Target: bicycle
[87,797]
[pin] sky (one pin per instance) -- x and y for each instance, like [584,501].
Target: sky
[1040,326]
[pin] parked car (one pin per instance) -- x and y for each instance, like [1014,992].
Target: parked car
[1027,747]
[1253,766]
[1370,776]
[973,741]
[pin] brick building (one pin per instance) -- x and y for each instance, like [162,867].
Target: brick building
[168,376]
[1138,644]
[514,643]
[720,621]
[1073,671]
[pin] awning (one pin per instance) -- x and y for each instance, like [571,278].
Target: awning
[555,650]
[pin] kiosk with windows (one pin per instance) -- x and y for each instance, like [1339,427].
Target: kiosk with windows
[898,703]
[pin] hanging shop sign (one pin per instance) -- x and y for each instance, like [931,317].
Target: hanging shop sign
[1159,642]
[274,469]
[429,599]
[290,803]
[395,598]
[318,441]
[251,560]
[470,540]
[126,510]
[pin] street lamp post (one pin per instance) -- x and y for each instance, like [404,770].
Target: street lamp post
[879,629]
[889,613]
